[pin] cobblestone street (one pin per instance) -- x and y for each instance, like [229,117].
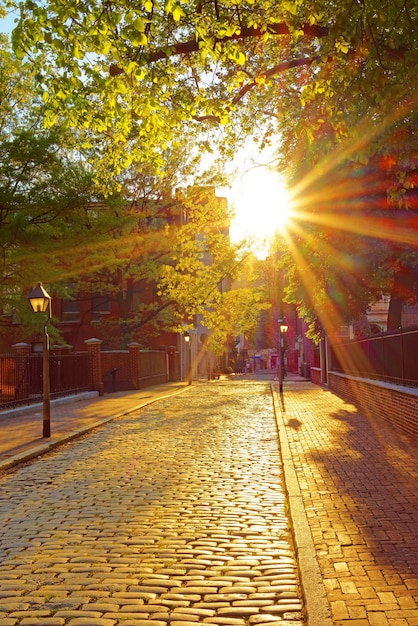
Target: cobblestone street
[173,514]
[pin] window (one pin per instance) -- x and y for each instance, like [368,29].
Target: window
[70,310]
[100,305]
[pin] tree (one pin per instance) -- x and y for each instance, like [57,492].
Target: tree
[349,147]
[46,191]
[352,246]
[337,79]
[236,311]
[56,226]
[177,250]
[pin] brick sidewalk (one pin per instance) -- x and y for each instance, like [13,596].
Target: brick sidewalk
[357,481]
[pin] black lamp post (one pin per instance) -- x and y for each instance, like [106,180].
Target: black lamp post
[189,357]
[41,303]
[283,328]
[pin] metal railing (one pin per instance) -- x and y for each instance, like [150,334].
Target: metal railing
[390,357]
[21,377]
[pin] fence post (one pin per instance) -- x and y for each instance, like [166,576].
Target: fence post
[402,357]
[134,372]
[93,348]
[172,374]
[22,386]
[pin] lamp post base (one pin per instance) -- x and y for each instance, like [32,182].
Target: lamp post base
[46,429]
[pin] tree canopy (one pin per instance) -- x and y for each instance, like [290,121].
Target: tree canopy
[162,257]
[170,261]
[146,73]
[44,190]
[56,226]
[332,83]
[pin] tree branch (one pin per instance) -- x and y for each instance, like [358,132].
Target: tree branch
[276,69]
[273,71]
[247,32]
[131,326]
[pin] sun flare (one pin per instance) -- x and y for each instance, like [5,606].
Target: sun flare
[262,205]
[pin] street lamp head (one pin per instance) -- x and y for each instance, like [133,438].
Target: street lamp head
[186,337]
[284,327]
[39,299]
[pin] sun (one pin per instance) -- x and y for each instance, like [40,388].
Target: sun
[262,204]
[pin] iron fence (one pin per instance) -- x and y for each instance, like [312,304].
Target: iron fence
[152,367]
[390,357]
[21,377]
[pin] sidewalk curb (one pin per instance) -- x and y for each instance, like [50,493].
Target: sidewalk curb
[74,434]
[318,611]
[23,410]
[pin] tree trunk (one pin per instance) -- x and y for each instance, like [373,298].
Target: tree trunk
[404,291]
[394,320]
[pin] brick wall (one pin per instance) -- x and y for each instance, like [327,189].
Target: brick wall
[316,375]
[395,404]
[119,380]
[123,370]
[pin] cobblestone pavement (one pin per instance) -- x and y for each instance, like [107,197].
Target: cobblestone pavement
[173,514]
[357,480]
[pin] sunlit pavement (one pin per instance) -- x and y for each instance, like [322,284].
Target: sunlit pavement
[177,491]
[172,514]
[353,482]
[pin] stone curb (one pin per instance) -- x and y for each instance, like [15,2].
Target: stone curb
[30,408]
[318,611]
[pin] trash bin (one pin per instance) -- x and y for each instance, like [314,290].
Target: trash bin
[111,382]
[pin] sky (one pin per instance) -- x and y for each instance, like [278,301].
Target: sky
[7,23]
